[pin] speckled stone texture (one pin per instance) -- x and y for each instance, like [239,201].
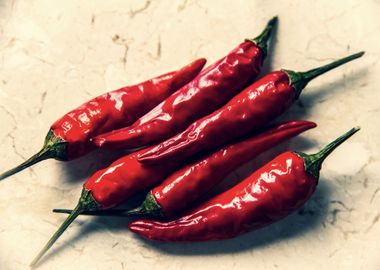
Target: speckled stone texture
[54,55]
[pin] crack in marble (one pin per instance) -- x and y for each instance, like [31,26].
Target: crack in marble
[342,204]
[93,19]
[332,254]
[365,182]
[116,39]
[205,10]
[315,39]
[345,232]
[10,133]
[374,195]
[158,51]
[42,102]
[182,6]
[135,12]
[374,221]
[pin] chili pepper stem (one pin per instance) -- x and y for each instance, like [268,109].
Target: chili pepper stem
[149,207]
[54,147]
[86,202]
[299,80]
[262,40]
[313,162]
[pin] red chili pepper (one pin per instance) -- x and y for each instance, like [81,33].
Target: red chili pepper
[69,137]
[189,183]
[250,110]
[212,88]
[125,177]
[268,195]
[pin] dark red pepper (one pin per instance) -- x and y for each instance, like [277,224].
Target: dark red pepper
[186,185]
[212,88]
[69,137]
[250,110]
[271,193]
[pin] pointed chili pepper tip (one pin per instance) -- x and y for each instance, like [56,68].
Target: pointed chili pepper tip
[314,162]
[299,80]
[86,202]
[54,147]
[262,40]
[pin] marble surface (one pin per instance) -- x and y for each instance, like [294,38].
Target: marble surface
[54,55]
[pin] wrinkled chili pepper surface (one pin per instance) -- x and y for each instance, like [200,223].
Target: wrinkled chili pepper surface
[212,88]
[69,137]
[251,109]
[271,193]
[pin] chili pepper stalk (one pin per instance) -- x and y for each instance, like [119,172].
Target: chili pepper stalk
[270,194]
[250,110]
[299,80]
[86,202]
[313,163]
[149,207]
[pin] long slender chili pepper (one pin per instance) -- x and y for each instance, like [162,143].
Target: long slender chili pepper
[189,183]
[212,88]
[69,137]
[125,177]
[253,108]
[268,195]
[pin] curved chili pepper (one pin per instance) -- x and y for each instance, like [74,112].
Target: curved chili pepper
[250,110]
[212,88]
[69,137]
[126,176]
[271,193]
[189,183]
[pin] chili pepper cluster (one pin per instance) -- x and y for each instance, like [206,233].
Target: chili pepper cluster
[193,127]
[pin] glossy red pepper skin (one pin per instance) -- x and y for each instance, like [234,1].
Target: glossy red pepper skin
[69,137]
[124,178]
[212,88]
[271,193]
[189,183]
[183,187]
[250,110]
[118,108]
[268,195]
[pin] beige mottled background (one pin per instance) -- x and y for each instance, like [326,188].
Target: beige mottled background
[54,55]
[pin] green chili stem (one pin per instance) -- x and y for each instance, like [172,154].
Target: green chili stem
[109,212]
[322,154]
[299,80]
[313,162]
[313,73]
[54,147]
[149,207]
[262,40]
[43,154]
[86,202]
[73,215]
